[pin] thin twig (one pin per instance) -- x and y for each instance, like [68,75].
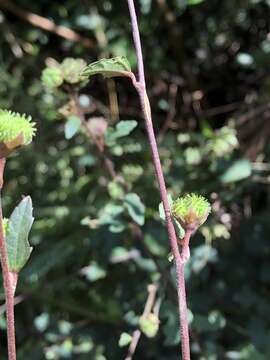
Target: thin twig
[179,261]
[150,301]
[45,24]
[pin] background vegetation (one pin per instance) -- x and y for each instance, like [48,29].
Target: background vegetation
[97,245]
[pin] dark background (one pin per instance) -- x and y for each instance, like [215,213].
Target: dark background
[207,71]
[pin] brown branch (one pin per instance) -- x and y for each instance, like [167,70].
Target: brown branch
[45,24]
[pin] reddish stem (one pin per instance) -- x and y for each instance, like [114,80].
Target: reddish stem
[9,280]
[179,260]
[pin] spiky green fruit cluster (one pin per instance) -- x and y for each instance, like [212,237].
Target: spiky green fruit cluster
[15,130]
[191,210]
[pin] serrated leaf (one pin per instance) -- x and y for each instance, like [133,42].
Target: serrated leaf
[123,128]
[135,208]
[19,225]
[72,126]
[118,66]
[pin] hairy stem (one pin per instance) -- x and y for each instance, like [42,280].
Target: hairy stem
[9,280]
[179,261]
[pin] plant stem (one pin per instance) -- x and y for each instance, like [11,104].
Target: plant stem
[9,280]
[150,301]
[179,261]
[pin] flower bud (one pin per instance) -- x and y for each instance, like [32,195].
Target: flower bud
[191,211]
[15,130]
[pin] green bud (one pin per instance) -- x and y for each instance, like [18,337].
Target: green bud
[52,77]
[15,130]
[191,210]
[149,325]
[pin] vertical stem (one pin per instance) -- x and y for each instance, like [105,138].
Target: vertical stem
[9,280]
[179,261]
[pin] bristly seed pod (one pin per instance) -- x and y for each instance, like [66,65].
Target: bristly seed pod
[191,211]
[15,130]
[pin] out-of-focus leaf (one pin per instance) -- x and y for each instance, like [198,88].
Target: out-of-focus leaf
[194,2]
[72,126]
[115,190]
[135,207]
[52,77]
[111,215]
[123,128]
[149,325]
[239,170]
[171,327]
[193,156]
[46,260]
[93,272]
[42,321]
[213,322]
[154,246]
[125,339]
[72,69]
[201,256]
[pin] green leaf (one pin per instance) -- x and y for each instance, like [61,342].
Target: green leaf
[93,272]
[52,77]
[239,170]
[161,208]
[72,69]
[19,225]
[135,208]
[123,128]
[118,66]
[72,126]
[213,322]
[171,323]
[111,215]
[179,229]
[195,2]
[48,259]
[125,339]
[115,190]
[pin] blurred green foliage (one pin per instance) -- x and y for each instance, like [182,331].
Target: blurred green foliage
[99,242]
